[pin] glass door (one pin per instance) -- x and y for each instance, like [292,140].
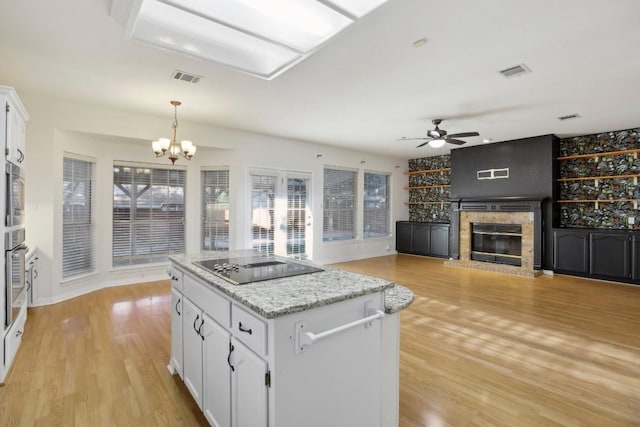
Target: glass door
[280,213]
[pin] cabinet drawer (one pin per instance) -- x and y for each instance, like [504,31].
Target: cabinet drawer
[208,300]
[14,337]
[249,329]
[176,276]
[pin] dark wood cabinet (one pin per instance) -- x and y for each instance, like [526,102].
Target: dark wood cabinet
[403,236]
[439,237]
[571,251]
[610,255]
[600,254]
[422,238]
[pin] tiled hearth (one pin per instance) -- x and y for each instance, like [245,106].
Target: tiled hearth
[525,219]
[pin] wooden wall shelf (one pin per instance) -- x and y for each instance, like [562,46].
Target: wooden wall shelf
[428,171]
[428,186]
[587,178]
[601,154]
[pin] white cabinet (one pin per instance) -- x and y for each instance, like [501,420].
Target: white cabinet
[31,277]
[249,388]
[15,118]
[245,370]
[216,352]
[176,331]
[192,349]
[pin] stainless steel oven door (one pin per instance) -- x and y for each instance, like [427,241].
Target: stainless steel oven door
[14,196]
[15,274]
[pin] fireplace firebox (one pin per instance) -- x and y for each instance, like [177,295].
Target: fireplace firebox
[497,243]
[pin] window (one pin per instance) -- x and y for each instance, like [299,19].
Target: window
[263,196]
[77,217]
[376,205]
[148,213]
[339,205]
[215,210]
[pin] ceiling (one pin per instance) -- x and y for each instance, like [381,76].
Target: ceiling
[368,86]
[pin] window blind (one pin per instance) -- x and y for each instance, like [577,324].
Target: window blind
[78,248]
[376,205]
[263,194]
[215,210]
[148,214]
[296,216]
[339,205]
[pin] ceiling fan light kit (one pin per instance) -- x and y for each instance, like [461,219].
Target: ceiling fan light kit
[437,137]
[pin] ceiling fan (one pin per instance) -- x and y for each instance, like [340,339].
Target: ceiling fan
[437,137]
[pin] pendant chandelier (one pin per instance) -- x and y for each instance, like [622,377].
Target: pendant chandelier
[164,146]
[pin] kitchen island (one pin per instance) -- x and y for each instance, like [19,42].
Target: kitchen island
[314,349]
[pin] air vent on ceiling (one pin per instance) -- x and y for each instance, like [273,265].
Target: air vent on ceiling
[569,116]
[518,70]
[185,77]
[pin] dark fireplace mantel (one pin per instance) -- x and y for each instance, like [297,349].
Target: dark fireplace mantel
[504,205]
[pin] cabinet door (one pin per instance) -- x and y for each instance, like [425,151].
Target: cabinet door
[635,257]
[439,237]
[249,391]
[571,251]
[192,349]
[420,238]
[176,331]
[403,237]
[216,397]
[15,135]
[610,255]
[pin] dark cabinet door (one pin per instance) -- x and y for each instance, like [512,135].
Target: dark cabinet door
[403,237]
[610,255]
[635,257]
[571,251]
[440,240]
[420,238]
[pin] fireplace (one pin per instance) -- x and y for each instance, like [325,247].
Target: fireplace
[503,235]
[497,243]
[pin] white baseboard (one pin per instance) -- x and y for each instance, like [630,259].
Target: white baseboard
[92,288]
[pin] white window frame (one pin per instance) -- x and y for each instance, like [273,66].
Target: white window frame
[348,235]
[135,258]
[208,214]
[387,209]
[87,244]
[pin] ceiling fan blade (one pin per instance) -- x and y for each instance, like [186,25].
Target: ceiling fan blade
[424,143]
[455,141]
[414,139]
[463,134]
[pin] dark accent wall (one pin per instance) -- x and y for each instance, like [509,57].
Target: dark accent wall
[533,174]
[530,162]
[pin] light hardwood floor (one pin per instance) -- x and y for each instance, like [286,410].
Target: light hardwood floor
[477,349]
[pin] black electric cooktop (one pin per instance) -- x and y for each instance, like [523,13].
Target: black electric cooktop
[243,270]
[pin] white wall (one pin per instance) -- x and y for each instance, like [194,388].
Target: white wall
[58,126]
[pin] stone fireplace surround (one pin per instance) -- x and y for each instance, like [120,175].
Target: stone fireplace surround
[526,212]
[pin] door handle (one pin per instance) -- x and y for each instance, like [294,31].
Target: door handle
[244,329]
[231,348]
[177,304]
[200,329]
[194,324]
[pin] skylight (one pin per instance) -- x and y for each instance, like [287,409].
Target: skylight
[260,37]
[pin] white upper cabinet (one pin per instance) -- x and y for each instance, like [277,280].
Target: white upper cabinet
[14,119]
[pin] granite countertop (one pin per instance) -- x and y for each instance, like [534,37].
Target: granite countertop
[278,297]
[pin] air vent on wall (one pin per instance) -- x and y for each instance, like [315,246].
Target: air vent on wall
[515,71]
[569,116]
[185,77]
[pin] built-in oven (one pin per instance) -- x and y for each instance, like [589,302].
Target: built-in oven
[14,195]
[15,250]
